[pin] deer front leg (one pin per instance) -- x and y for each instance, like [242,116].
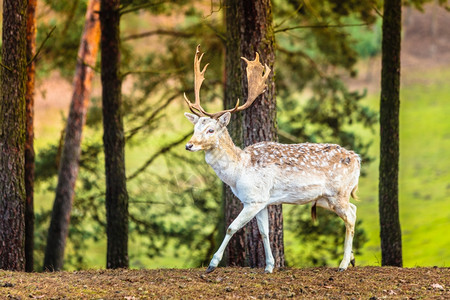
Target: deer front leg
[248,212]
[263,225]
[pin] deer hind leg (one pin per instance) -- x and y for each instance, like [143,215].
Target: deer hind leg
[262,219]
[348,214]
[247,213]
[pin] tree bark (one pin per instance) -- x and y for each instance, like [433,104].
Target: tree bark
[29,143]
[235,251]
[390,231]
[260,120]
[69,163]
[113,137]
[12,136]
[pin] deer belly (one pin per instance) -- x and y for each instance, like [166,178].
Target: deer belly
[296,194]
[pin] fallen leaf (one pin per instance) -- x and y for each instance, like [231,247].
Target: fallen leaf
[437,286]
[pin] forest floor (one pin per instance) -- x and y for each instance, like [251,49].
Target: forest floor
[228,283]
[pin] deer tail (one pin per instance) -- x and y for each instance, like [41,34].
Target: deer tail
[353,193]
[314,212]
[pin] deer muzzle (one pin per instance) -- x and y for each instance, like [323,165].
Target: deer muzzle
[189,146]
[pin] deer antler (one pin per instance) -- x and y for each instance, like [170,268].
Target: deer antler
[256,85]
[199,76]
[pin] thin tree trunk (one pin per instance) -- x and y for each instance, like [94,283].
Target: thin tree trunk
[390,232]
[12,136]
[260,120]
[113,138]
[69,163]
[235,252]
[29,143]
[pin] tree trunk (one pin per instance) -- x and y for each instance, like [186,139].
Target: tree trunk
[69,163]
[29,143]
[113,138]
[12,136]
[235,251]
[260,120]
[390,232]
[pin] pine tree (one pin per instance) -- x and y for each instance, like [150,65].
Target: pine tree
[250,30]
[260,120]
[12,135]
[113,137]
[390,232]
[69,163]
[29,144]
[235,251]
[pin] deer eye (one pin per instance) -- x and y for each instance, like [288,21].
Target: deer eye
[210,130]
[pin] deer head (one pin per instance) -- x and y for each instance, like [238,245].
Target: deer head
[209,126]
[206,131]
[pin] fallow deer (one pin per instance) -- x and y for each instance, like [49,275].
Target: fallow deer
[269,173]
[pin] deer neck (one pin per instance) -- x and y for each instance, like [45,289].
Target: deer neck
[225,158]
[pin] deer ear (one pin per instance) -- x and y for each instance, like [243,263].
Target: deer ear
[225,119]
[191,117]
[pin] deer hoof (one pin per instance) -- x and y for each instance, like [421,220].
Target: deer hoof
[268,269]
[341,270]
[353,262]
[210,269]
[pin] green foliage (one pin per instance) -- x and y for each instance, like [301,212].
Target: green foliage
[367,43]
[323,241]
[181,208]
[41,224]
[315,60]
[325,116]
[60,51]
[47,163]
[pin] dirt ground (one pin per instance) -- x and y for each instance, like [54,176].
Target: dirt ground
[229,283]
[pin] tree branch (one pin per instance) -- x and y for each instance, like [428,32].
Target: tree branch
[305,56]
[42,45]
[141,6]
[219,34]
[151,118]
[288,136]
[158,32]
[212,8]
[96,70]
[6,67]
[291,15]
[319,26]
[157,154]
[378,11]
[152,72]
[146,202]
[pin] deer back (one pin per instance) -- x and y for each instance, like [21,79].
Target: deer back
[302,172]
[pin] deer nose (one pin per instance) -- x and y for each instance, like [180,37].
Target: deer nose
[189,146]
